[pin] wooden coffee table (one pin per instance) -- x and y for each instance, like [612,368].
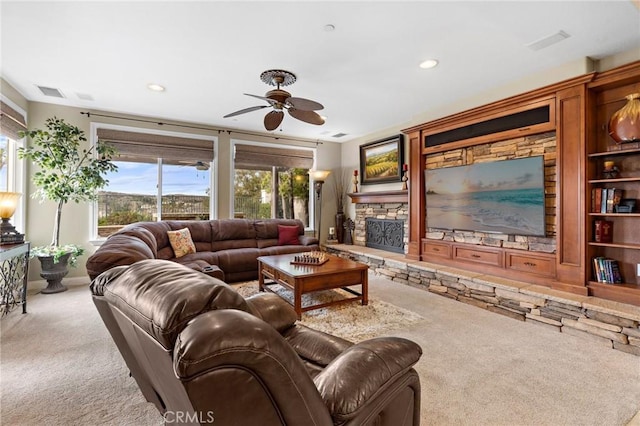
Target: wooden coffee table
[335,273]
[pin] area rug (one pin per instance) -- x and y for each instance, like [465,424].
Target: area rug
[351,321]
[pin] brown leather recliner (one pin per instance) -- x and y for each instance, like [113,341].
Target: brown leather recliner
[203,354]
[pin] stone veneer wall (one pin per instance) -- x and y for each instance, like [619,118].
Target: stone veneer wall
[397,211]
[615,325]
[523,147]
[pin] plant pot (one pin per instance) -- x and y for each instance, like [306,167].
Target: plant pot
[53,272]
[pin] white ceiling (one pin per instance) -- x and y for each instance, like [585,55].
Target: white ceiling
[365,72]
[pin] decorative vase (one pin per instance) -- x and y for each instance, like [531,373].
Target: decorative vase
[340,227]
[54,272]
[624,125]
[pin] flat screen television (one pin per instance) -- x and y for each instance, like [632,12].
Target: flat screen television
[504,197]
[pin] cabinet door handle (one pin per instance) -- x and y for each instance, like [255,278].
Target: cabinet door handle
[475,255]
[529,264]
[436,249]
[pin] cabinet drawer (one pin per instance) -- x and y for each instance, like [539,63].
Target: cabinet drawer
[483,256]
[430,248]
[545,266]
[269,271]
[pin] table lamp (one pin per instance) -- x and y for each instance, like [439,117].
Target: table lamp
[8,204]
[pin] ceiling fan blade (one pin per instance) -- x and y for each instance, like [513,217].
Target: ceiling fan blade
[310,117]
[304,104]
[271,101]
[243,111]
[273,119]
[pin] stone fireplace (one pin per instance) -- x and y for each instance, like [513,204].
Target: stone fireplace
[382,220]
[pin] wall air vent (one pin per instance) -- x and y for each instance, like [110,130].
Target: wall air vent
[50,91]
[339,135]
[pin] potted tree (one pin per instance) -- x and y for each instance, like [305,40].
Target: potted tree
[67,172]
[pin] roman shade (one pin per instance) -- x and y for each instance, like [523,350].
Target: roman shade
[11,122]
[264,157]
[135,146]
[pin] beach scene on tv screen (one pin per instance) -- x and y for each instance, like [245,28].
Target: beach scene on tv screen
[502,196]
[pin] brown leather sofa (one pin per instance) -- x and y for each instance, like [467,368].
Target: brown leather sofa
[201,352]
[227,248]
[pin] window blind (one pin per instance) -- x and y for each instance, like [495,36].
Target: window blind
[134,146]
[11,122]
[263,157]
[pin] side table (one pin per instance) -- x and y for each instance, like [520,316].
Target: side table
[14,273]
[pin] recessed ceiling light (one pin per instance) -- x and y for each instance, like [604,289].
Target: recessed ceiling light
[429,63]
[155,87]
[329,27]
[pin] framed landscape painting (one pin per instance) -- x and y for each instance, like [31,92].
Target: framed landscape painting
[381,161]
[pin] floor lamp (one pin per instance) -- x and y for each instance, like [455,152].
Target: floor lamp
[318,176]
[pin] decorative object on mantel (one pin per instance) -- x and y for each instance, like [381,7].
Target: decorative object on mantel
[355,181]
[340,184]
[624,125]
[381,161]
[349,226]
[610,170]
[405,168]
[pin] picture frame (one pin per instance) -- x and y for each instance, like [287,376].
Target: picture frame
[381,161]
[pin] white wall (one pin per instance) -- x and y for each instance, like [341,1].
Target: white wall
[350,150]
[76,226]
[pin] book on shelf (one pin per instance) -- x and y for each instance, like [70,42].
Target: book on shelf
[603,231]
[606,270]
[603,201]
[596,200]
[613,199]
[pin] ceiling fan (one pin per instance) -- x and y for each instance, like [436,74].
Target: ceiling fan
[199,165]
[280,100]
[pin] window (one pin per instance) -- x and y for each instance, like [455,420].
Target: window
[272,182]
[12,121]
[159,177]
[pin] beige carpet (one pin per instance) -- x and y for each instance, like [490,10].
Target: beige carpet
[351,321]
[60,367]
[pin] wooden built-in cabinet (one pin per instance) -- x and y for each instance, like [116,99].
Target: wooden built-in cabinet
[606,96]
[578,110]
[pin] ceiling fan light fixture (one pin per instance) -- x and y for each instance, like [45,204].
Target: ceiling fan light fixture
[429,63]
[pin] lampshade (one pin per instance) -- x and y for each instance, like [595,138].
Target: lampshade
[8,203]
[319,175]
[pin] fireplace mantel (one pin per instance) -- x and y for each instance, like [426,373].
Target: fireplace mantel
[401,196]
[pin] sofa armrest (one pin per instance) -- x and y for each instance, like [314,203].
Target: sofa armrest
[363,372]
[307,240]
[273,310]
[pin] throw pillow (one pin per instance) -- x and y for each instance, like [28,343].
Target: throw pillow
[181,242]
[288,235]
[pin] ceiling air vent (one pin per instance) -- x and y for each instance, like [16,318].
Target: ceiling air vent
[548,40]
[85,96]
[339,135]
[50,91]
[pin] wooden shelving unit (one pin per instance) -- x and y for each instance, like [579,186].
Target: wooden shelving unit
[603,100]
